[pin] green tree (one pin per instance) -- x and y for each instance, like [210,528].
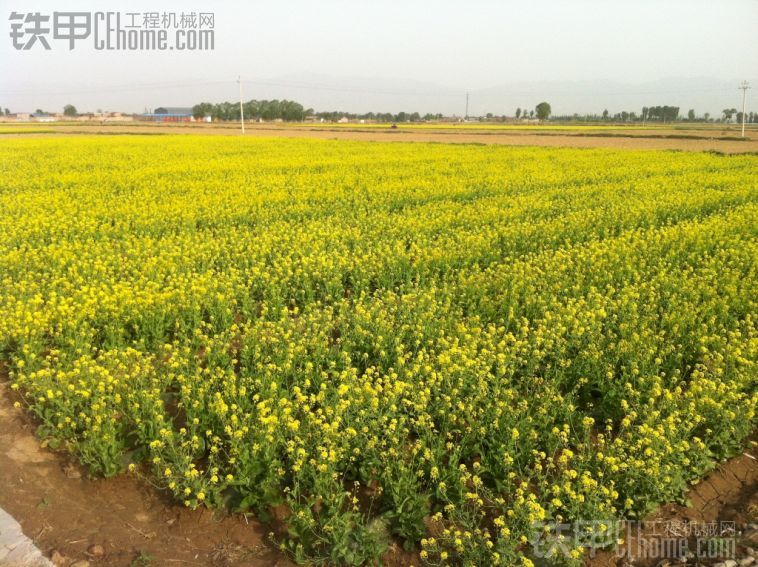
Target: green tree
[518,112]
[605,114]
[70,110]
[202,110]
[691,114]
[543,110]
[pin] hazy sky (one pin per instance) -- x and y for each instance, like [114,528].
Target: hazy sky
[430,50]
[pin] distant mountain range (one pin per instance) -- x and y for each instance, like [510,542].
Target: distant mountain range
[566,97]
[703,94]
[364,94]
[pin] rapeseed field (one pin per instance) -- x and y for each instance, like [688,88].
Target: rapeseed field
[448,345]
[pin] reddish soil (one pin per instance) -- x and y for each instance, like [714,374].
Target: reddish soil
[66,513]
[616,138]
[726,500]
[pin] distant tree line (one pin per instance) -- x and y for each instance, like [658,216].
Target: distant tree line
[658,113]
[750,117]
[524,113]
[288,110]
[333,116]
[291,111]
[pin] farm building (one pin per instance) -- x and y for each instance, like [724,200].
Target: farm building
[43,117]
[169,114]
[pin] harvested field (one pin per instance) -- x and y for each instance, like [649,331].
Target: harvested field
[683,139]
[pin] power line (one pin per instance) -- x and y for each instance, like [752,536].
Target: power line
[242,112]
[744,87]
[311,86]
[479,93]
[318,87]
[186,85]
[126,87]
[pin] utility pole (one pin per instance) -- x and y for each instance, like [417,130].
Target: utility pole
[465,118]
[242,111]
[744,87]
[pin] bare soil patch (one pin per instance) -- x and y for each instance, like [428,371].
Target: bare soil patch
[726,501]
[653,139]
[123,521]
[69,515]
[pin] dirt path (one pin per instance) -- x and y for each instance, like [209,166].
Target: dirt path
[67,514]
